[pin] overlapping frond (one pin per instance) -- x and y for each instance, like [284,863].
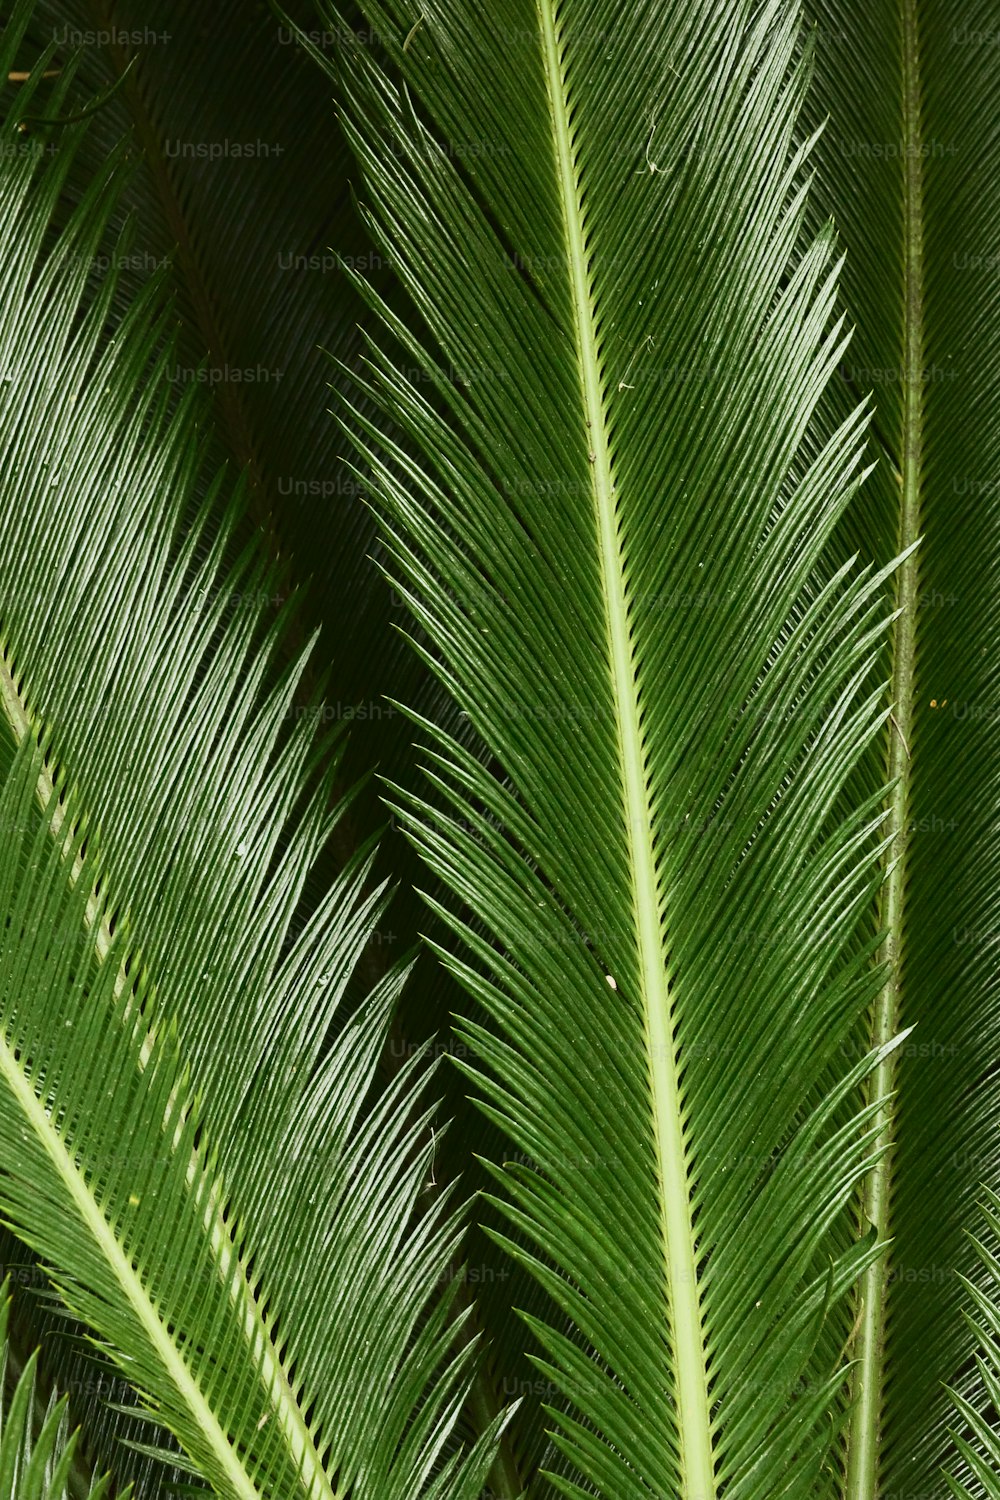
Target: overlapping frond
[241,180]
[905,164]
[37,1448]
[604,515]
[214,1191]
[978,1439]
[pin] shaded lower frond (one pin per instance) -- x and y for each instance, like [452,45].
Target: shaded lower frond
[910,96]
[216,1189]
[978,1440]
[37,1449]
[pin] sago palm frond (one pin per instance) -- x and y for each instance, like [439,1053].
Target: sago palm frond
[36,1463]
[240,182]
[241,179]
[213,1188]
[982,1453]
[906,166]
[257,287]
[609,515]
[238,175]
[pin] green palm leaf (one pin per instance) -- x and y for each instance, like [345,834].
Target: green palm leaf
[912,92]
[981,1447]
[692,872]
[612,534]
[36,1461]
[256,289]
[240,173]
[204,1178]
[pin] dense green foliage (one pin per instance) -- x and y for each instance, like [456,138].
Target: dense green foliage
[497,762]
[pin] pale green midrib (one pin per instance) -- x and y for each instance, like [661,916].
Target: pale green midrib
[693,1409]
[869,1350]
[125,1276]
[271,1372]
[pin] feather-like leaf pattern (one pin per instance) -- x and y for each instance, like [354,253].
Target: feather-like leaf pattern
[216,1192]
[610,532]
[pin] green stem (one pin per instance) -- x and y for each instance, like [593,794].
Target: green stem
[869,1348]
[694,1423]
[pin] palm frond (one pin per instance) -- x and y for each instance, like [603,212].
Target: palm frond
[625,340]
[979,1441]
[240,179]
[165,998]
[36,1463]
[911,93]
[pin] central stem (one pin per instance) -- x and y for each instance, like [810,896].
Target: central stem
[863,1446]
[676,1228]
